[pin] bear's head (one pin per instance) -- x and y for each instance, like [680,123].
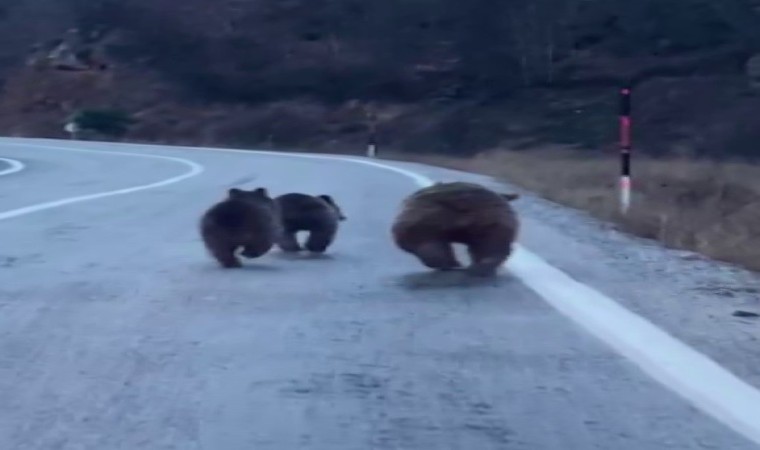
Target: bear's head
[329,200]
[259,196]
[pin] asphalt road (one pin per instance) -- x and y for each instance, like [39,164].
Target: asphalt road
[117,331]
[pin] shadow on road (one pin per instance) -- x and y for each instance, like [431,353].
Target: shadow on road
[430,280]
[303,256]
[248,266]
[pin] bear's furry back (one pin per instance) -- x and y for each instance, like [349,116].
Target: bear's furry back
[447,206]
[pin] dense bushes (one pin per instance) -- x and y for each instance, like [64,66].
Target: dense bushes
[340,49]
[106,122]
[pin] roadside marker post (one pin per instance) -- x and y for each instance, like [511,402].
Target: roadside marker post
[372,138]
[625,149]
[372,146]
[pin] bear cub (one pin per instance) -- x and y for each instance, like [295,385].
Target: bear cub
[435,217]
[245,219]
[318,215]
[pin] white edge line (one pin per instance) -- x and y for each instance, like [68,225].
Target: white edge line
[15,166]
[195,169]
[698,379]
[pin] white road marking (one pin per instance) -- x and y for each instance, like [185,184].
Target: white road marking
[15,166]
[195,169]
[698,379]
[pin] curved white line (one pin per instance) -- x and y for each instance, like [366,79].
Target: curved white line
[697,378]
[195,169]
[15,166]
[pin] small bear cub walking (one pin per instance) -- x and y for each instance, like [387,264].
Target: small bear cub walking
[247,219]
[435,217]
[318,215]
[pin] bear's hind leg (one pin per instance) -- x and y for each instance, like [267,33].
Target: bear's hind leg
[288,242]
[320,239]
[225,255]
[437,255]
[256,249]
[487,257]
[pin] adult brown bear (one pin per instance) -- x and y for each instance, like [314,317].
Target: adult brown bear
[435,217]
[247,219]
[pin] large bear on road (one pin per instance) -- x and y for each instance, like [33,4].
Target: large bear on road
[435,217]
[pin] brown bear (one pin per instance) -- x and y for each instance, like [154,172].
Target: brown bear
[319,215]
[247,219]
[435,217]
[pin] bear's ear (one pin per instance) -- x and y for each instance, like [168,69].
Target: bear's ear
[327,198]
[510,197]
[235,193]
[261,192]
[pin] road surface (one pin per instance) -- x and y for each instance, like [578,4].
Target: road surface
[117,331]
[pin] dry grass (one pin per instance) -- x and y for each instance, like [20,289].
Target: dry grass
[711,208]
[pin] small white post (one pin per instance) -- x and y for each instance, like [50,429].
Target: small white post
[72,129]
[372,144]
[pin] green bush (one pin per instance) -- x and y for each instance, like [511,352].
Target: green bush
[103,121]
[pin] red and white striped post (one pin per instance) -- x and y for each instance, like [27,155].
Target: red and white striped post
[625,149]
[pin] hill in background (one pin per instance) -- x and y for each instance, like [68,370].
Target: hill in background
[441,76]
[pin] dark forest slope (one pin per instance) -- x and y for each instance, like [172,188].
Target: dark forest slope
[442,75]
